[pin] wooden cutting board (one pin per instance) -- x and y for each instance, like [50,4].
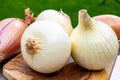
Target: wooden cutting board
[17,69]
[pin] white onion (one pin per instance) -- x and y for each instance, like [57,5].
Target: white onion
[45,46]
[59,17]
[94,44]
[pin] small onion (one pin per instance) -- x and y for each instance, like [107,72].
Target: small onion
[59,17]
[112,20]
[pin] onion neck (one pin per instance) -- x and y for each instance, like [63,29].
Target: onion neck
[85,20]
[28,16]
[65,15]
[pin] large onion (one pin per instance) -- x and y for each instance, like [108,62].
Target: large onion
[94,43]
[45,46]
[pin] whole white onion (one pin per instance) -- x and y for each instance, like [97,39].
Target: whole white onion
[94,44]
[45,46]
[59,17]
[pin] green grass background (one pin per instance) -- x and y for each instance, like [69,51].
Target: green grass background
[15,8]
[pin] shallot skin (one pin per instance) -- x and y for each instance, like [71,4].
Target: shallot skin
[11,30]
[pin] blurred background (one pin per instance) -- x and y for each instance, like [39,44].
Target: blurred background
[15,8]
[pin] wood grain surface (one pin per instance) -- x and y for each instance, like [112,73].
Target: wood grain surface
[17,69]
